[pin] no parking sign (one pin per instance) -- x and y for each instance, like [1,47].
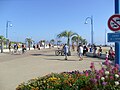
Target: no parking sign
[114,22]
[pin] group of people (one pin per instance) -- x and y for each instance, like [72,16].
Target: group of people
[110,54]
[36,46]
[81,50]
[16,46]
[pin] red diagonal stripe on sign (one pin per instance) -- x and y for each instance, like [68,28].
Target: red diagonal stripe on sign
[115,22]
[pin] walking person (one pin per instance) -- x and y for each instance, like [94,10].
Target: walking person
[94,50]
[38,46]
[80,51]
[34,46]
[111,54]
[50,45]
[100,51]
[84,50]
[23,48]
[9,46]
[65,48]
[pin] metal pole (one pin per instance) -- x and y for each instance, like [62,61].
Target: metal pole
[117,44]
[116,6]
[7,29]
[6,33]
[91,20]
[92,30]
[7,25]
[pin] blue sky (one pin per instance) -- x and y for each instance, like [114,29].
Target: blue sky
[44,19]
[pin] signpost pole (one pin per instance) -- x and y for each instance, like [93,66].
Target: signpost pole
[117,44]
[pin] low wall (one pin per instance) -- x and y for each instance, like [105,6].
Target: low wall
[7,50]
[90,54]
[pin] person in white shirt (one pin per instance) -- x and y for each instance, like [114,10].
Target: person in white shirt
[65,48]
[80,51]
[107,55]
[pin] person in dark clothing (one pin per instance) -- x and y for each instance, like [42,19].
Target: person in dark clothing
[111,54]
[34,47]
[9,47]
[94,50]
[84,50]
[23,48]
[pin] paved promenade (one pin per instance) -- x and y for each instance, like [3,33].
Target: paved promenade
[15,69]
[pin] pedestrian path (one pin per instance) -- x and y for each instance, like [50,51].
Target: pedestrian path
[2,54]
[39,63]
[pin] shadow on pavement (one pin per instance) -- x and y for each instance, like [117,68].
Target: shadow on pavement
[41,55]
[60,59]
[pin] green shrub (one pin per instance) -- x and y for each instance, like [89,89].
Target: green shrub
[64,81]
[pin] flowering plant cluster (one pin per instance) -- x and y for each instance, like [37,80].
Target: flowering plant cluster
[74,80]
[107,78]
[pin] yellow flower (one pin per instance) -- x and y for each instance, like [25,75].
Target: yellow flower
[35,88]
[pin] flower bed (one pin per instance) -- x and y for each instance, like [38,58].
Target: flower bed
[107,78]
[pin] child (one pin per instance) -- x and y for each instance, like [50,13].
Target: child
[107,55]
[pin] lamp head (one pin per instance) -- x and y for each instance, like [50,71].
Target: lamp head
[86,22]
[10,25]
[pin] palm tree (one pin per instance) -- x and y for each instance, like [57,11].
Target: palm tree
[58,42]
[2,39]
[52,41]
[29,40]
[67,34]
[78,39]
[84,41]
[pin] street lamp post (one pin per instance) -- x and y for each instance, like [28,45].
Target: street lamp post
[91,19]
[7,25]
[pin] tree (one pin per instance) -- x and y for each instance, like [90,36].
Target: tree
[52,41]
[2,39]
[29,40]
[58,42]
[84,41]
[67,34]
[79,39]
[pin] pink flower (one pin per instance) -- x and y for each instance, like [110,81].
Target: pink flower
[111,77]
[86,74]
[92,66]
[98,77]
[119,73]
[93,80]
[104,83]
[115,69]
[107,63]
[101,71]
